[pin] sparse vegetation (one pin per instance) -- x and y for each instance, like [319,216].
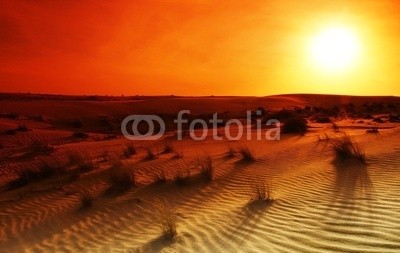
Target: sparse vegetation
[345,148]
[231,152]
[80,135]
[40,147]
[159,177]
[45,169]
[182,177]
[178,155]
[335,127]
[167,220]
[149,154]
[10,132]
[129,151]
[22,128]
[120,178]
[261,192]
[206,168]
[86,200]
[247,154]
[82,162]
[373,130]
[324,137]
[168,147]
[295,124]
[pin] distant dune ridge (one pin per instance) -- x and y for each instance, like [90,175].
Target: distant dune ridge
[69,182]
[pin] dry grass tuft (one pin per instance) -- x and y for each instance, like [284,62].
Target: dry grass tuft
[22,128]
[231,152]
[247,154]
[129,151]
[206,168]
[345,148]
[86,200]
[182,177]
[45,169]
[159,177]
[261,192]
[40,147]
[167,220]
[178,155]
[325,137]
[83,163]
[150,155]
[120,178]
[168,148]
[373,130]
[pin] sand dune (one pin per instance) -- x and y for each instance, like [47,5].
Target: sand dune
[319,205]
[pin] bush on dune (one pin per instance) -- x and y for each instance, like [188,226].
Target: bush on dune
[247,154]
[206,168]
[129,151]
[344,149]
[261,192]
[167,220]
[86,200]
[120,179]
[45,169]
[295,124]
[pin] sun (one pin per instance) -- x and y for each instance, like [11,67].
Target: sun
[335,49]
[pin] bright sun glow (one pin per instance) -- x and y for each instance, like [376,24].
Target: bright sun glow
[335,49]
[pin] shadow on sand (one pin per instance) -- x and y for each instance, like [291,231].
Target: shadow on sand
[352,191]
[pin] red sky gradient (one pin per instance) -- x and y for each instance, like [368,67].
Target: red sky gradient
[192,47]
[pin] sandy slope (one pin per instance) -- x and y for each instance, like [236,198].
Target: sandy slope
[318,207]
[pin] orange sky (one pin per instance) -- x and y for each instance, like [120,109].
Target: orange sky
[192,47]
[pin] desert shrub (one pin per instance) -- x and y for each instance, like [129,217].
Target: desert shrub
[82,162]
[76,123]
[373,130]
[80,135]
[43,170]
[344,148]
[10,132]
[294,124]
[368,116]
[40,147]
[206,168]
[394,118]
[168,147]
[323,119]
[49,167]
[129,151]
[378,120]
[231,152]
[182,177]
[167,220]
[22,128]
[150,155]
[178,155]
[324,137]
[159,177]
[9,115]
[38,118]
[120,178]
[247,154]
[86,200]
[261,191]
[335,127]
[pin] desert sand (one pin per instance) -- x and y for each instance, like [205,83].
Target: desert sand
[315,204]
